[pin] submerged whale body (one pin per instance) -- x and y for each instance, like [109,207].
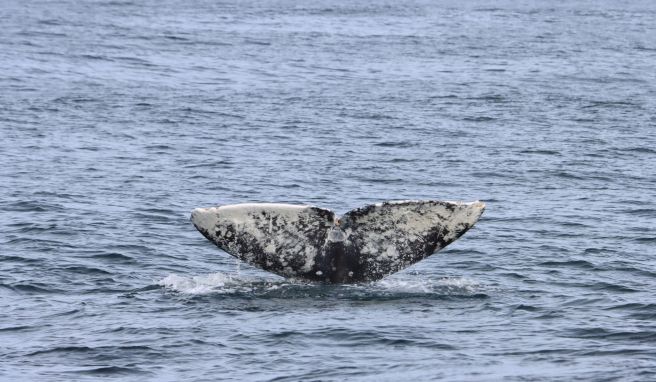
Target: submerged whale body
[308,242]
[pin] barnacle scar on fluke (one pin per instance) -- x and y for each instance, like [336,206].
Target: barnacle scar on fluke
[308,242]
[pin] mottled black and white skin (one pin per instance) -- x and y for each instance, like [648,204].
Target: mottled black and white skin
[307,242]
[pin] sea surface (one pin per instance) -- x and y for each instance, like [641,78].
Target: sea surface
[117,118]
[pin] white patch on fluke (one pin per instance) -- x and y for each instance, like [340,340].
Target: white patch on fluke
[270,248]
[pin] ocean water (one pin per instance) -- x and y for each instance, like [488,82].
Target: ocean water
[119,117]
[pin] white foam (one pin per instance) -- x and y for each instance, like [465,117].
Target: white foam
[204,284]
[447,285]
[221,283]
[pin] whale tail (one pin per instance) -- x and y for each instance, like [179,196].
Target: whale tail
[308,242]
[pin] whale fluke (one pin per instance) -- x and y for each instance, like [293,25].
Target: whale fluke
[308,242]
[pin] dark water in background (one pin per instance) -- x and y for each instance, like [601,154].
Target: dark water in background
[119,117]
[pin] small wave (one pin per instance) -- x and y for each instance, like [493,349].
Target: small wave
[614,335]
[113,257]
[100,350]
[18,328]
[35,287]
[610,104]
[111,370]
[540,152]
[569,263]
[19,259]
[211,164]
[481,118]
[646,212]
[525,307]
[611,287]
[638,311]
[118,3]
[400,144]
[62,349]
[33,206]
[351,337]
[86,270]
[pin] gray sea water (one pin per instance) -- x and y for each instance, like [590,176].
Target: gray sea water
[119,117]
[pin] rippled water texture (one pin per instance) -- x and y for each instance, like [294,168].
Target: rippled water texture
[119,117]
